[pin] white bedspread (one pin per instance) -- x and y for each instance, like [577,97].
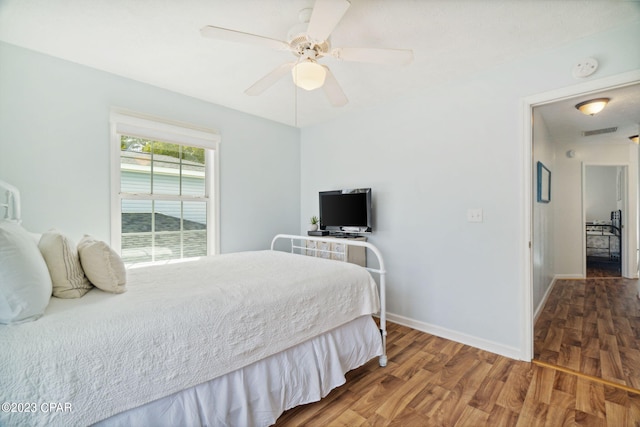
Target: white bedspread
[258,394]
[178,325]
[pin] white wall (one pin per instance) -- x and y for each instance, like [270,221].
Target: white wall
[569,256]
[432,156]
[54,146]
[601,195]
[543,213]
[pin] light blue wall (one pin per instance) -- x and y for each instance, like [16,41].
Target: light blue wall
[543,214]
[601,195]
[428,158]
[54,146]
[432,156]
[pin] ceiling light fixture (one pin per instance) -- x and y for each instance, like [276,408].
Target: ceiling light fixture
[308,74]
[592,106]
[634,139]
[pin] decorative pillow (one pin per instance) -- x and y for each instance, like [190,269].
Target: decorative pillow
[25,285]
[64,266]
[102,265]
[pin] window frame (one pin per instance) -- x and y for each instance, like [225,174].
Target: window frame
[155,128]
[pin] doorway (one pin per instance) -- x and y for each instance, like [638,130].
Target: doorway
[604,215]
[557,226]
[538,269]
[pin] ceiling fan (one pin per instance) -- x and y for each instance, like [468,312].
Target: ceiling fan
[309,42]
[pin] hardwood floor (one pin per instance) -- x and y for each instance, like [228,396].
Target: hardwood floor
[431,381]
[592,326]
[597,270]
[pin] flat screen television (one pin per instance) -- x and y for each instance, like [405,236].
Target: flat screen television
[346,211]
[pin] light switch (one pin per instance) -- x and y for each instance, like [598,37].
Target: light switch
[474,215]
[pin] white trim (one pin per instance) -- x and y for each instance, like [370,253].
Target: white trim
[526,241]
[545,297]
[568,276]
[212,189]
[115,218]
[162,171]
[491,346]
[144,126]
[149,127]
[620,80]
[164,197]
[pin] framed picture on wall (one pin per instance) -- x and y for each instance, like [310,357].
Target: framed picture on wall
[544,184]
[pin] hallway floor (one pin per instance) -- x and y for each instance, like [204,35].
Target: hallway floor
[600,270]
[592,326]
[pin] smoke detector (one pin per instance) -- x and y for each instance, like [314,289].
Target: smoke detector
[585,68]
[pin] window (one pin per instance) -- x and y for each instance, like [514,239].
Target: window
[163,189]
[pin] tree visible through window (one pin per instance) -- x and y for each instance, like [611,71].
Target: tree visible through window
[163,200]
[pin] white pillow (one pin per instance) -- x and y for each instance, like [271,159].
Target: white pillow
[25,285]
[61,256]
[102,265]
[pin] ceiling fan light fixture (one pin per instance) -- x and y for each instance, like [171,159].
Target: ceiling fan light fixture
[308,74]
[634,139]
[592,106]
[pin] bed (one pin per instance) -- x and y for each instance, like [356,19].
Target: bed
[603,241]
[233,339]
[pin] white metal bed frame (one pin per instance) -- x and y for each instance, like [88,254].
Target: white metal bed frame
[380,271]
[9,201]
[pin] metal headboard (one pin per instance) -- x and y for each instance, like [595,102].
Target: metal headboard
[9,202]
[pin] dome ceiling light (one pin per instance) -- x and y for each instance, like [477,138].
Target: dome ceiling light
[592,106]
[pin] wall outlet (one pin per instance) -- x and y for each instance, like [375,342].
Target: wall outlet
[474,215]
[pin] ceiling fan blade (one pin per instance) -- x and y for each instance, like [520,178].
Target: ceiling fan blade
[332,89]
[270,79]
[374,55]
[240,37]
[324,18]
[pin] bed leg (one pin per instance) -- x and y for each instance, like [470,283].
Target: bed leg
[383,358]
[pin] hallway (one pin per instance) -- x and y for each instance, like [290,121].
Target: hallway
[592,326]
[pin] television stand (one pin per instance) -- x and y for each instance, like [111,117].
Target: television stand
[349,236]
[332,247]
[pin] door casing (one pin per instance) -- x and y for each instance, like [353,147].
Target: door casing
[527,105]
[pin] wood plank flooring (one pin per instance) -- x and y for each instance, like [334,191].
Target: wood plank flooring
[431,381]
[595,270]
[592,326]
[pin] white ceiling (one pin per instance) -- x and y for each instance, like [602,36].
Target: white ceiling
[158,42]
[566,124]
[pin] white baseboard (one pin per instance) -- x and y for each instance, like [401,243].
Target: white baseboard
[493,347]
[545,297]
[568,276]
